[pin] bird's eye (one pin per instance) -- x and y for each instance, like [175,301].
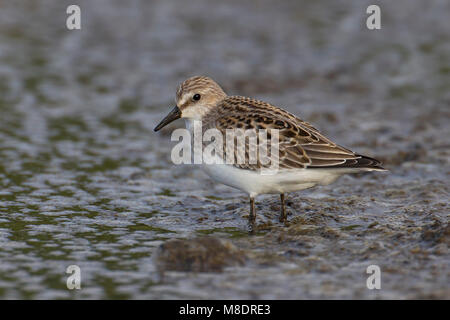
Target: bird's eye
[196,97]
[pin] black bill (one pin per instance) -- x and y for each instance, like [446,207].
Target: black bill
[172,116]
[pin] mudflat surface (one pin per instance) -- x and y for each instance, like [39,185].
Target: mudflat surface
[84,179]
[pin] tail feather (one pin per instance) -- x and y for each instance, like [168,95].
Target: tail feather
[362,162]
[369,163]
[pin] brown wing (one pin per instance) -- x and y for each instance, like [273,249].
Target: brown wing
[300,144]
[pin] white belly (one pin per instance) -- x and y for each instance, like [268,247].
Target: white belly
[255,183]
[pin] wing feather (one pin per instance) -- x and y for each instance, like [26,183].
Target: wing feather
[300,144]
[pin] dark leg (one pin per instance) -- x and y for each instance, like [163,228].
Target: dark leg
[283,216]
[252,216]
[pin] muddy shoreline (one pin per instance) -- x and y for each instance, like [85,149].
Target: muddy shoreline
[84,179]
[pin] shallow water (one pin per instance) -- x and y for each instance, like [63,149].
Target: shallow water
[84,179]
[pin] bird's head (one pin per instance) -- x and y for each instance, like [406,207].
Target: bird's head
[195,97]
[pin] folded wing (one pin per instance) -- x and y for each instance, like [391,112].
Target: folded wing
[300,144]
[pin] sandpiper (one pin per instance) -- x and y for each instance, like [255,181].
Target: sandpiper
[306,158]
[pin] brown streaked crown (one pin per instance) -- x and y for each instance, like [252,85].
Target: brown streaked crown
[211,93]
